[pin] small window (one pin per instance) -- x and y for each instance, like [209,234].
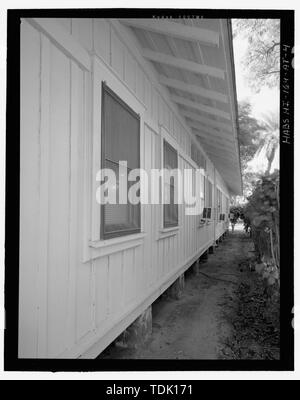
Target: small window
[171,209]
[207,212]
[120,142]
[209,199]
[202,193]
[219,201]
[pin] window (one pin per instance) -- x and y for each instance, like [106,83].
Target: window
[202,192]
[171,209]
[120,142]
[219,202]
[207,212]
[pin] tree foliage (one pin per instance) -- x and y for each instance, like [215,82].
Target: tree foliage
[269,138]
[262,211]
[237,212]
[249,133]
[256,137]
[262,60]
[249,139]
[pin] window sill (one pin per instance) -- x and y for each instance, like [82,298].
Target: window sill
[108,246]
[168,232]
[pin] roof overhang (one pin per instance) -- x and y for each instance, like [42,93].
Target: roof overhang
[194,60]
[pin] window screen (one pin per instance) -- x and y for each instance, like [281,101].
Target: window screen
[202,194]
[207,211]
[208,193]
[171,209]
[202,189]
[120,142]
[219,201]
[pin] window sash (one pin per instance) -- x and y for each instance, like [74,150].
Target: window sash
[130,215]
[220,203]
[202,194]
[170,211]
[208,193]
[208,200]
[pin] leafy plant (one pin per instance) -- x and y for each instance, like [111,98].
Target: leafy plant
[262,212]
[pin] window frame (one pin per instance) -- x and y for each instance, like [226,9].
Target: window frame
[92,245]
[227,208]
[219,203]
[207,206]
[202,198]
[172,225]
[124,232]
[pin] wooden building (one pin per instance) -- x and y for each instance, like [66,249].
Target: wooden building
[83,278]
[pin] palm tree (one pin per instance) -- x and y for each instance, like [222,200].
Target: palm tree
[269,138]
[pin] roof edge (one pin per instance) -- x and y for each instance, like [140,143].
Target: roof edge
[230,44]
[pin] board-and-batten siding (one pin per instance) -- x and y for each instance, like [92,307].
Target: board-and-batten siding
[68,302]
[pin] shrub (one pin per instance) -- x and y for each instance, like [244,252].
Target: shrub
[262,214]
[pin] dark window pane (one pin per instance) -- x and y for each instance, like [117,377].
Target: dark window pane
[120,142]
[171,209]
[170,156]
[208,193]
[121,128]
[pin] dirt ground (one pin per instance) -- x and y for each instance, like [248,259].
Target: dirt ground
[195,326]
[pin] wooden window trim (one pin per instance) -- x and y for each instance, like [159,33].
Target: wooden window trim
[208,184]
[175,224]
[123,232]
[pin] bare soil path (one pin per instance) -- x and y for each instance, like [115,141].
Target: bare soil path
[195,327]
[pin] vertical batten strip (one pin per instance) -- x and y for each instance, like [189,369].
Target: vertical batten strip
[87,163]
[44,198]
[76,110]
[93,297]
[96,148]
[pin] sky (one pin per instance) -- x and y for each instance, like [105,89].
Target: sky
[264,102]
[267,100]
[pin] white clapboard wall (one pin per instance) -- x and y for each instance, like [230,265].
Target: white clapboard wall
[76,294]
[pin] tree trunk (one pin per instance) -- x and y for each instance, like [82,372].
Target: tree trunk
[270,159]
